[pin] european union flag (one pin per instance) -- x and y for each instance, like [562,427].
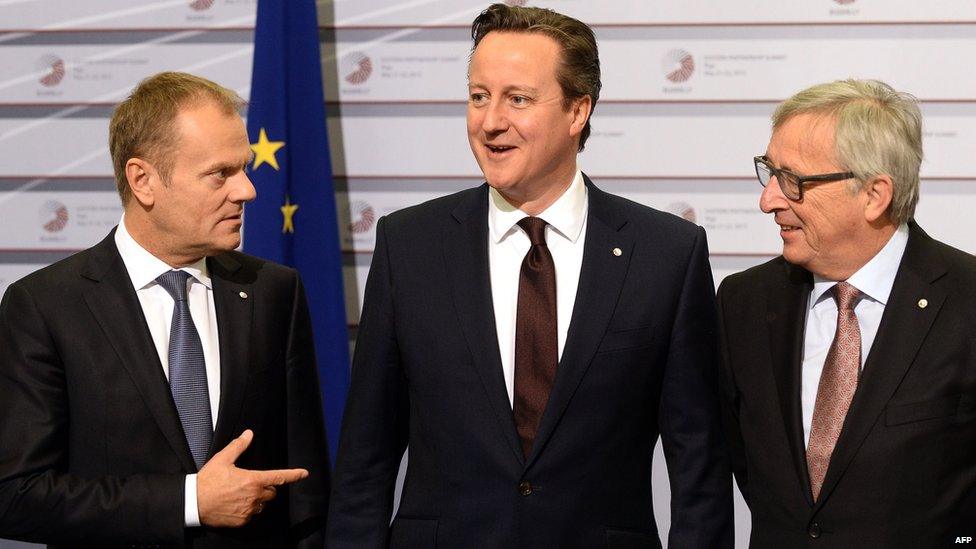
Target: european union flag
[293,219]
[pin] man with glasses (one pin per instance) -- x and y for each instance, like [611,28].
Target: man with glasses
[850,374]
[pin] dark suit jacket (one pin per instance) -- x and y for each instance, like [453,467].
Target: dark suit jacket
[903,473]
[91,447]
[639,360]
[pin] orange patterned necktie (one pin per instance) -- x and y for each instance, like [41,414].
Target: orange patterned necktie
[838,381]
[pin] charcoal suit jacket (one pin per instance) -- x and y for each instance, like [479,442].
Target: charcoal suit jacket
[903,472]
[639,362]
[92,452]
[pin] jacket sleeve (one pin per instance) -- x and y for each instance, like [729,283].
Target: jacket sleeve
[39,500]
[308,500]
[691,433]
[374,427]
[730,403]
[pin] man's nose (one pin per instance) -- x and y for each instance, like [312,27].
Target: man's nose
[772,197]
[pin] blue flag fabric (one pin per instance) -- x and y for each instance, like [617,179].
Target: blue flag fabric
[293,219]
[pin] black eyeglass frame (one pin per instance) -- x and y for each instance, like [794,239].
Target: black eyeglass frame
[800,179]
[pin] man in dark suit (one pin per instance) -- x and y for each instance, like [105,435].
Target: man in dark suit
[850,361]
[159,389]
[529,339]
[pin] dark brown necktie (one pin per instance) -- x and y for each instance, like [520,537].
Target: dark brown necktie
[838,381]
[536,347]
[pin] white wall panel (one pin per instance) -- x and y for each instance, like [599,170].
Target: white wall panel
[125,14]
[56,220]
[636,12]
[74,73]
[650,68]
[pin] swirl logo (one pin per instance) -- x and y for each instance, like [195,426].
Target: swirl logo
[201,5]
[678,66]
[356,67]
[55,67]
[53,215]
[363,217]
[683,210]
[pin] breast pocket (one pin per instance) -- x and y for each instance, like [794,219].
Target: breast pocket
[962,406]
[628,338]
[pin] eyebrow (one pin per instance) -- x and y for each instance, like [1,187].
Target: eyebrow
[507,89]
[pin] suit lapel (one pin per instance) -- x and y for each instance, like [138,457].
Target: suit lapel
[466,257]
[601,279]
[116,308]
[234,315]
[904,326]
[786,307]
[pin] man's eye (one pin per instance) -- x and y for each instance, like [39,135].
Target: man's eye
[518,100]
[478,98]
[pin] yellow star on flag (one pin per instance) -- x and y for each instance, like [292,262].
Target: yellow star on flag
[264,151]
[288,212]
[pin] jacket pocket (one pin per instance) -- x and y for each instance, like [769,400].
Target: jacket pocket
[632,338]
[631,539]
[944,406]
[413,533]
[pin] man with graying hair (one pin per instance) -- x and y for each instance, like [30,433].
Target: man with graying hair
[159,389]
[850,361]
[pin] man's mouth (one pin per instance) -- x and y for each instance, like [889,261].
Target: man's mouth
[788,228]
[498,149]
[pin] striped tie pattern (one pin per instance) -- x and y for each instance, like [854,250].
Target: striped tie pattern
[187,370]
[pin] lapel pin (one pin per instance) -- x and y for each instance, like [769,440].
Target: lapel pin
[618,252]
[923,303]
[243,295]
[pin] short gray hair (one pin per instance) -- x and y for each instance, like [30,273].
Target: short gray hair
[878,130]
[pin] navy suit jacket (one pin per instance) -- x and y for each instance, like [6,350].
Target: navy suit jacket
[903,472]
[92,452]
[639,361]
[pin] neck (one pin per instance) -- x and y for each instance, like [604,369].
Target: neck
[534,203]
[865,250]
[141,229]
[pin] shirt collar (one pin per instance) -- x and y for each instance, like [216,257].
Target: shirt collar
[876,277]
[144,267]
[566,215]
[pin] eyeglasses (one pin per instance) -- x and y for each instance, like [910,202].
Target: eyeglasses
[790,183]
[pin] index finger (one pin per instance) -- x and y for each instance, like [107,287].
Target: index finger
[277,477]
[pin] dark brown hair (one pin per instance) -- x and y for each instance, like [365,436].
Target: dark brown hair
[579,68]
[142,126]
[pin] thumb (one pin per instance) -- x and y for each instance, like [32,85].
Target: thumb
[235,448]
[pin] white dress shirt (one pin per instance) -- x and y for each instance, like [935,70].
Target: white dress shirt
[157,306]
[507,246]
[874,280]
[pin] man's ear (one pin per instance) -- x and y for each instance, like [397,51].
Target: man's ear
[581,109]
[143,179]
[879,191]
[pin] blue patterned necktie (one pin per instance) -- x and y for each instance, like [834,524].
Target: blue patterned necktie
[187,370]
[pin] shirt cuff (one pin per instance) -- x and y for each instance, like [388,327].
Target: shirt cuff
[191,515]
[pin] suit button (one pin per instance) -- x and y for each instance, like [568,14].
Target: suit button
[525,488]
[815,530]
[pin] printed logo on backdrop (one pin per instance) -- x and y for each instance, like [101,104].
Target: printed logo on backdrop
[683,210]
[201,5]
[846,10]
[362,216]
[356,67]
[53,216]
[54,73]
[678,66]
